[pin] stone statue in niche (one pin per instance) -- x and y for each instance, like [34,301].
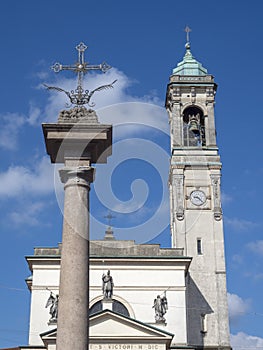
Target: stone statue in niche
[107,285]
[160,306]
[53,303]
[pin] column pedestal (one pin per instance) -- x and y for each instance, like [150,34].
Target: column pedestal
[107,304]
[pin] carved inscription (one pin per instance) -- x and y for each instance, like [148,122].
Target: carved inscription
[126,346]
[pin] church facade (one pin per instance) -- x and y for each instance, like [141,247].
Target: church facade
[141,296]
[141,275]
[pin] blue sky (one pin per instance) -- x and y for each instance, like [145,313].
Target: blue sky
[143,41]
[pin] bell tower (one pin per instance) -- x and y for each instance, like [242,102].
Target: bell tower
[196,215]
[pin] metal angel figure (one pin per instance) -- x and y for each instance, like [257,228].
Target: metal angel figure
[161,306]
[53,303]
[80,96]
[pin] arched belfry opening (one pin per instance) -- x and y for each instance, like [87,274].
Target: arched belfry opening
[193,127]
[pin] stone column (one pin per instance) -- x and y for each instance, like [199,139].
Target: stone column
[74,275]
[72,331]
[77,140]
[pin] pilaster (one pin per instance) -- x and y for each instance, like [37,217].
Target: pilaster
[215,180]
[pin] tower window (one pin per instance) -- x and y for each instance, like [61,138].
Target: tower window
[199,246]
[193,127]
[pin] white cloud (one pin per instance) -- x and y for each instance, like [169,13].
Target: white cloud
[226,198]
[92,81]
[113,106]
[237,307]
[128,114]
[240,224]
[58,100]
[34,115]
[11,124]
[256,247]
[21,180]
[258,276]
[27,214]
[243,341]
[238,259]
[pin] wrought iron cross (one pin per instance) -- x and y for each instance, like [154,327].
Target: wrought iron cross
[79,96]
[81,67]
[187,30]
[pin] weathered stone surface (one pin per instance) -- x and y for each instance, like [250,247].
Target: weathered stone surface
[130,248]
[74,275]
[118,248]
[78,115]
[78,141]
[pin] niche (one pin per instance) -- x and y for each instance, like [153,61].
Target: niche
[193,127]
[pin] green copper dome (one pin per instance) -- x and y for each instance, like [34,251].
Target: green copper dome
[189,65]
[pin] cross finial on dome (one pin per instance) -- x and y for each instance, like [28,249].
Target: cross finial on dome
[109,217]
[189,65]
[109,232]
[187,30]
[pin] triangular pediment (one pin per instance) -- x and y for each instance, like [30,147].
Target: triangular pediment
[115,328]
[49,337]
[108,324]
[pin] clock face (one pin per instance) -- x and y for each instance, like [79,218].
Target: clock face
[198,197]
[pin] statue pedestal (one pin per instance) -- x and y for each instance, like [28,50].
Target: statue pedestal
[52,322]
[107,304]
[159,324]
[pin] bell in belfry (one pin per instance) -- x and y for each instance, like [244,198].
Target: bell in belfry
[194,123]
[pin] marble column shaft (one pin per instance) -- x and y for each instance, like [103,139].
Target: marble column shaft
[72,331]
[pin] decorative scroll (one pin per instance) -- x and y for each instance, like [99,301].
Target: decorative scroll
[193,94]
[177,92]
[179,195]
[77,176]
[216,194]
[210,92]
